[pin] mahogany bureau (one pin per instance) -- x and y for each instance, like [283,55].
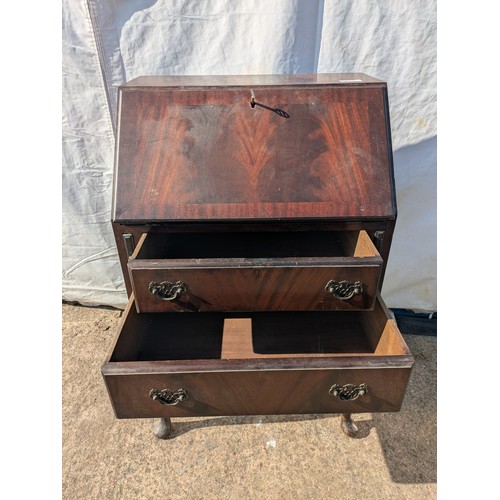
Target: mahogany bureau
[253,218]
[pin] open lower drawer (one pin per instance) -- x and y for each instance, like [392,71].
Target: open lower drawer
[257,364]
[258,271]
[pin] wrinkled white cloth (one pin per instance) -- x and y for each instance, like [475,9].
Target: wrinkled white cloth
[106,43]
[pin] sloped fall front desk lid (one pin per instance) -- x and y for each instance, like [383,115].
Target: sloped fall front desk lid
[253,148]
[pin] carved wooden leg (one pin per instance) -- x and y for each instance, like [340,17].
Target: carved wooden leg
[162,428]
[347,425]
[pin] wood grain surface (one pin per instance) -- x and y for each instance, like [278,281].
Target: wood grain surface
[258,392]
[186,352]
[238,186]
[254,271]
[205,154]
[384,227]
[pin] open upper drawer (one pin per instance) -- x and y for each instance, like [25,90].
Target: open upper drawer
[293,147]
[255,271]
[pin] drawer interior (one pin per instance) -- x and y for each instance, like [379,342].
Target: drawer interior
[254,245]
[224,336]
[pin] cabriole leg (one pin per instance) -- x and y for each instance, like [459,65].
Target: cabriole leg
[162,428]
[347,425]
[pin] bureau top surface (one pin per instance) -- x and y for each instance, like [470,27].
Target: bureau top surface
[280,147]
[195,81]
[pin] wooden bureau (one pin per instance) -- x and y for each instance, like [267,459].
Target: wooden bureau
[253,217]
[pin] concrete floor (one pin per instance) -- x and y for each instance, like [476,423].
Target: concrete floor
[280,457]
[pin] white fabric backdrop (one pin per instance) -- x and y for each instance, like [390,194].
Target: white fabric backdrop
[106,43]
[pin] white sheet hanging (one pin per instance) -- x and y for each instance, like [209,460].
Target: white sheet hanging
[106,43]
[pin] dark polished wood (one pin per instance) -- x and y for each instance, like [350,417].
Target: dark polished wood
[255,271]
[235,285]
[137,230]
[258,392]
[252,193]
[336,348]
[206,154]
[349,428]
[162,428]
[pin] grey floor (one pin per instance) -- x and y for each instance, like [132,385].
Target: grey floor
[281,457]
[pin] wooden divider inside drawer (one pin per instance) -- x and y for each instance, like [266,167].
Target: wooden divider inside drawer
[268,340]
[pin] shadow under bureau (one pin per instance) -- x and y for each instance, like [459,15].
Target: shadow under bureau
[253,218]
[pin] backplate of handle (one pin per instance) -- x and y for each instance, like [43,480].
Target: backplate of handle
[167,290]
[344,290]
[348,392]
[168,396]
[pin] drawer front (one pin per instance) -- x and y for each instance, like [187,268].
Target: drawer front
[258,392]
[239,286]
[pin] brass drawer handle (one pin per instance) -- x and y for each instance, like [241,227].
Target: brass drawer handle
[167,290]
[348,392]
[344,290]
[168,396]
